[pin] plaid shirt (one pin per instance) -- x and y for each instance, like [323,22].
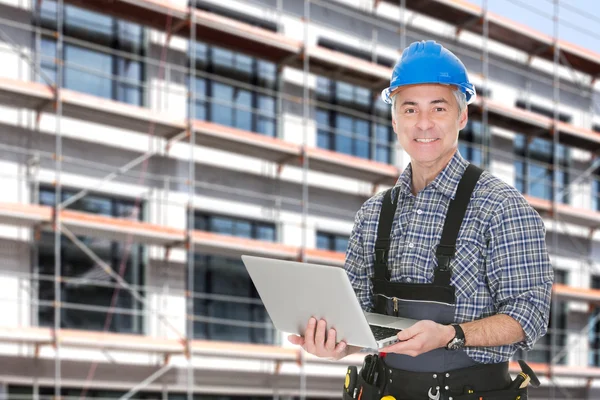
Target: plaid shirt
[501,263]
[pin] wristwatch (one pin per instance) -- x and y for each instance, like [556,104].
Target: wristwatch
[458,342]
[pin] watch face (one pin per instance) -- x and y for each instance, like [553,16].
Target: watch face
[456,344]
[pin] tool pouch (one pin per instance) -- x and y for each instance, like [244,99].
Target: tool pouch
[504,394]
[364,391]
[369,386]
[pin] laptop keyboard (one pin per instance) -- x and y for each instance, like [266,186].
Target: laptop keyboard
[382,332]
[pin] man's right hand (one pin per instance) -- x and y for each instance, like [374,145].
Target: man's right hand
[320,343]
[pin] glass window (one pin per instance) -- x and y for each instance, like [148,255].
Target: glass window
[94,71]
[48,53]
[221,112]
[343,136]
[243,113]
[266,118]
[469,142]
[217,317]
[534,165]
[128,86]
[92,22]
[235,105]
[86,283]
[364,137]
[332,242]
[87,71]
[594,332]
[199,86]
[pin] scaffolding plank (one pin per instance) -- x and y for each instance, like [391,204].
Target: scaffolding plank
[566,292]
[461,13]
[120,229]
[38,96]
[210,27]
[232,246]
[318,256]
[26,335]
[24,214]
[119,115]
[244,143]
[118,341]
[21,94]
[345,67]
[148,344]
[339,164]
[566,213]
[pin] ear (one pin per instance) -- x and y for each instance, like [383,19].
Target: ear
[463,119]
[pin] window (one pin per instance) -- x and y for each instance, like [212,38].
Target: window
[242,106]
[87,291]
[469,143]
[482,93]
[331,241]
[89,70]
[231,13]
[556,338]
[594,332]
[367,136]
[534,168]
[47,392]
[548,112]
[355,52]
[224,292]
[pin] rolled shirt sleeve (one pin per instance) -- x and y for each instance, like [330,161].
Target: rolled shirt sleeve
[356,265]
[520,275]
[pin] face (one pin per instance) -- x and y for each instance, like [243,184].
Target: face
[427,122]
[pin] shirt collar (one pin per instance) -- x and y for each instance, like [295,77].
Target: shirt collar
[446,182]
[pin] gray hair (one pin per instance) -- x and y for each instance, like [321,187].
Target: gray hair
[461,100]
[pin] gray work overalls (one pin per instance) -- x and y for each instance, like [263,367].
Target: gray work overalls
[440,373]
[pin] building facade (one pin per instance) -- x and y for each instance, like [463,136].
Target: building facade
[145,145]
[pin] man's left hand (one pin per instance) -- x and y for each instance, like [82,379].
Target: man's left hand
[420,338]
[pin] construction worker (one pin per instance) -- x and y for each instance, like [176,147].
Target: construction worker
[468,260]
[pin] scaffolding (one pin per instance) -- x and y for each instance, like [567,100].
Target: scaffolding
[165,131]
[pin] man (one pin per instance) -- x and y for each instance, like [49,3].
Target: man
[468,261]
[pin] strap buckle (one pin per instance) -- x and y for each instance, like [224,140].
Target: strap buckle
[443,263]
[381,256]
[444,254]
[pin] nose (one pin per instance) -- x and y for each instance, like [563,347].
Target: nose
[424,122]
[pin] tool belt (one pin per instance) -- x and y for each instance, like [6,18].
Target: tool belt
[481,382]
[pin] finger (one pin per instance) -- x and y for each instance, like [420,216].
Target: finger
[339,349]
[408,333]
[309,335]
[320,335]
[411,347]
[330,344]
[295,339]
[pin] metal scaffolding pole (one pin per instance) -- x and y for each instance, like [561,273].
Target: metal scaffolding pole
[305,118]
[486,134]
[402,25]
[190,207]
[555,170]
[57,198]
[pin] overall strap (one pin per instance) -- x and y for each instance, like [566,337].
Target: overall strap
[384,229]
[454,218]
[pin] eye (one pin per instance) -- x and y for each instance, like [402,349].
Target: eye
[409,111]
[440,109]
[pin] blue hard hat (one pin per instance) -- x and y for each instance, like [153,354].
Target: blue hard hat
[429,62]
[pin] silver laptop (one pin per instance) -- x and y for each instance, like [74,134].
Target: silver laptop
[292,292]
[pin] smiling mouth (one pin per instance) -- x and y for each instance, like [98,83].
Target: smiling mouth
[426,140]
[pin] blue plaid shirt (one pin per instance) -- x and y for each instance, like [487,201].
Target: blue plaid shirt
[501,263]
